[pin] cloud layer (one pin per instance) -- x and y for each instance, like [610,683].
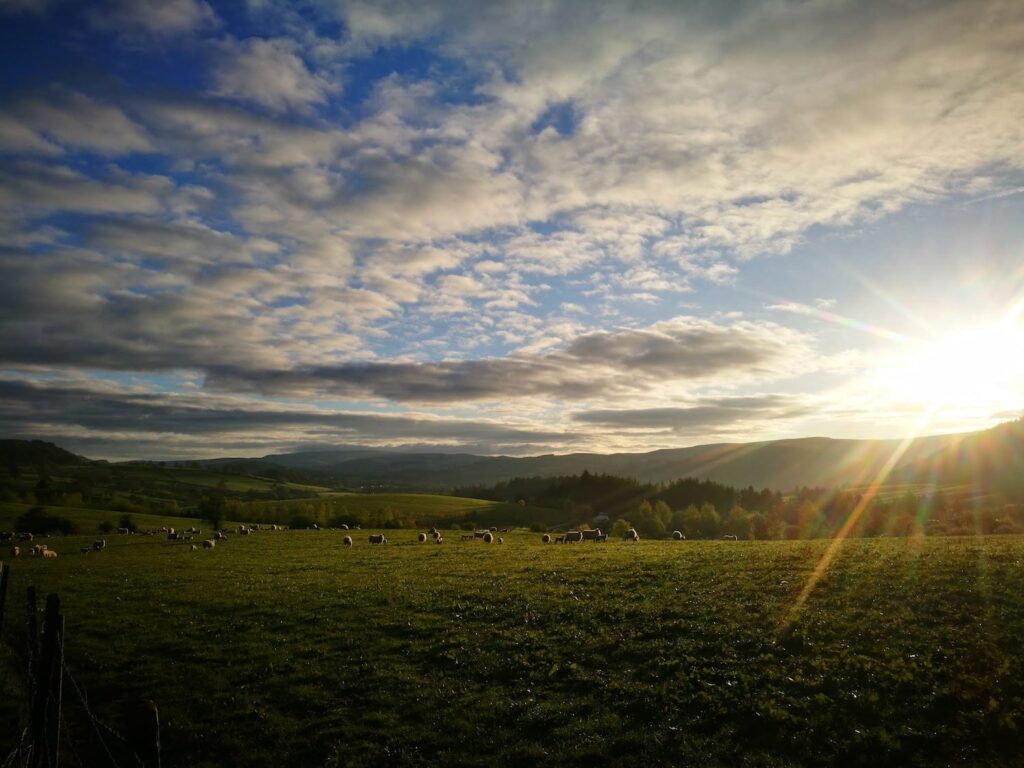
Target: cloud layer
[532,210]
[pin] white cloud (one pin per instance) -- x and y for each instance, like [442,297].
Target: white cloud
[267,72]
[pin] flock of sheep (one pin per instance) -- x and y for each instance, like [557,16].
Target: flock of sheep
[486,535]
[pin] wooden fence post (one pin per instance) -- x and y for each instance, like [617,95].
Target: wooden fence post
[44,729]
[5,572]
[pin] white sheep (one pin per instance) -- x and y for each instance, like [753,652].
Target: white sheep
[488,537]
[378,538]
[15,551]
[421,538]
[545,539]
[631,535]
[209,544]
[49,553]
[678,535]
[347,541]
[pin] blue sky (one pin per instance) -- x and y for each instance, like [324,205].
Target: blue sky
[507,228]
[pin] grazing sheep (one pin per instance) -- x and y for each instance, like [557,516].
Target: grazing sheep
[545,539]
[193,548]
[49,553]
[731,537]
[378,538]
[15,551]
[438,539]
[559,539]
[38,549]
[124,531]
[421,538]
[479,534]
[344,527]
[573,536]
[25,536]
[244,531]
[437,534]
[592,534]
[219,535]
[433,532]
[209,544]
[501,540]
[316,527]
[347,541]
[493,529]
[678,535]
[99,545]
[488,537]
[172,536]
[275,528]
[602,537]
[631,535]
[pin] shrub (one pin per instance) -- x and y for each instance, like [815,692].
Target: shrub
[106,526]
[38,520]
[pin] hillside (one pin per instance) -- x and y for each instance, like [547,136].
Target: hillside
[780,464]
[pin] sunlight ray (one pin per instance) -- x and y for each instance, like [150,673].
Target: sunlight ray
[866,498]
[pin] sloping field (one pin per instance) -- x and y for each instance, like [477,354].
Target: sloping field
[410,509]
[88,520]
[290,649]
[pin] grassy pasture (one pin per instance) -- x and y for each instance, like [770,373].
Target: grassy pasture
[426,509]
[289,649]
[88,520]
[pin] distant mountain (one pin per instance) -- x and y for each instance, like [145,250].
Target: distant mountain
[992,460]
[777,464]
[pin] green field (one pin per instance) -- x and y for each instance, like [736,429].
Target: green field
[409,509]
[290,649]
[87,521]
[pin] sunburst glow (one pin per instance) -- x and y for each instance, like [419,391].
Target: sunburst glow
[976,369]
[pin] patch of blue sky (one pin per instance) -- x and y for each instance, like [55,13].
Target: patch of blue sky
[562,116]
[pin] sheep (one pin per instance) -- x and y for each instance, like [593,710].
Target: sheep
[219,535]
[592,534]
[437,534]
[193,548]
[124,531]
[421,538]
[347,541]
[275,528]
[731,537]
[244,531]
[378,538]
[493,529]
[631,535]
[26,536]
[316,527]
[99,545]
[344,527]
[573,536]
[488,537]
[172,536]
[467,537]
[49,553]
[501,540]
[433,532]
[15,551]
[678,535]
[559,539]
[545,539]
[479,534]
[85,550]
[438,539]
[209,544]
[38,550]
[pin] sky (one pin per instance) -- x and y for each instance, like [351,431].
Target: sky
[234,229]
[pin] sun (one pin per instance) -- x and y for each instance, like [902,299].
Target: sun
[974,370]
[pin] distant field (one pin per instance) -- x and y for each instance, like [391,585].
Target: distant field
[290,649]
[88,520]
[205,478]
[424,509]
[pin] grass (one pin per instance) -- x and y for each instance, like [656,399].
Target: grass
[290,649]
[425,509]
[88,520]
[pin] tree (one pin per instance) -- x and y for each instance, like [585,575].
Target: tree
[212,509]
[620,527]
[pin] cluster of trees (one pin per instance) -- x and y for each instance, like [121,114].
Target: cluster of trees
[705,509]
